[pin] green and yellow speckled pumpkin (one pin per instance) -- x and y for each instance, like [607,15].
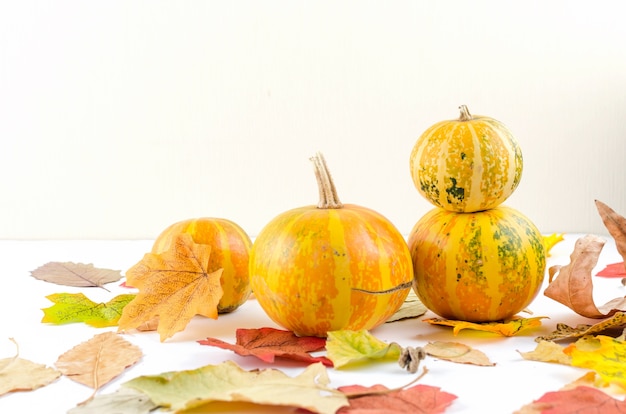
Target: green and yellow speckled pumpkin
[230,250]
[466,165]
[483,266]
[333,266]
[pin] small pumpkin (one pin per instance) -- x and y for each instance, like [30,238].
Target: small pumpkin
[466,165]
[477,267]
[333,266]
[230,250]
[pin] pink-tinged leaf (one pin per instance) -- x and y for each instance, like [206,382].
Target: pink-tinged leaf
[613,270]
[581,399]
[378,399]
[269,343]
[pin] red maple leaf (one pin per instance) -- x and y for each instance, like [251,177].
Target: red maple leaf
[581,399]
[613,270]
[378,399]
[268,343]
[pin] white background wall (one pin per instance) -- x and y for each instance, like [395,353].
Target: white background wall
[118,118]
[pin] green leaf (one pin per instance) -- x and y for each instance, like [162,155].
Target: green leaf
[227,382]
[348,347]
[76,307]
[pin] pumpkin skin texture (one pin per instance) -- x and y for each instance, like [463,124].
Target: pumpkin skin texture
[230,250]
[477,267]
[466,165]
[319,269]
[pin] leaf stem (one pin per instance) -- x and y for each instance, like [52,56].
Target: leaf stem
[390,390]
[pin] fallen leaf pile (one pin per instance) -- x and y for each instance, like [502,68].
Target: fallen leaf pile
[174,286]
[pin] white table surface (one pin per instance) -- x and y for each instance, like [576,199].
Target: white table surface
[504,388]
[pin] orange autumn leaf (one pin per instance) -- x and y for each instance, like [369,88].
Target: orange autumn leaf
[573,286]
[174,286]
[509,327]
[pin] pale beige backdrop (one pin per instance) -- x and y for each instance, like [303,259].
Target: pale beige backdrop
[118,118]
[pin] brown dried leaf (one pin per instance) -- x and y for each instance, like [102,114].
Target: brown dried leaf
[457,352]
[615,224]
[75,274]
[17,374]
[96,362]
[616,323]
[411,308]
[573,286]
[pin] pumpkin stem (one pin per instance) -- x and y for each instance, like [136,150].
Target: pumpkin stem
[465,113]
[325,184]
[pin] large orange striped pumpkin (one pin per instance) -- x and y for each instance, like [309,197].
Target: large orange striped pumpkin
[465,165]
[316,269]
[230,250]
[483,266]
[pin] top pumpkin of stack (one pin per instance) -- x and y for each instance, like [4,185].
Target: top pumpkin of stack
[473,258]
[466,165]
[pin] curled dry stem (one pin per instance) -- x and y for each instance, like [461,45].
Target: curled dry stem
[410,358]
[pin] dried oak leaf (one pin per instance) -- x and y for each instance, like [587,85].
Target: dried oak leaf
[378,399]
[76,307]
[97,361]
[18,374]
[268,343]
[615,323]
[573,286]
[508,327]
[603,354]
[581,399]
[76,274]
[347,347]
[615,224]
[174,286]
[227,382]
[457,352]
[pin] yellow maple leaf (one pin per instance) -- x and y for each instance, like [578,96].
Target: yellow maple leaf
[174,286]
[550,240]
[603,354]
[509,327]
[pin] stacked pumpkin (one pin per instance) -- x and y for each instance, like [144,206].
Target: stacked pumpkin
[474,259]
